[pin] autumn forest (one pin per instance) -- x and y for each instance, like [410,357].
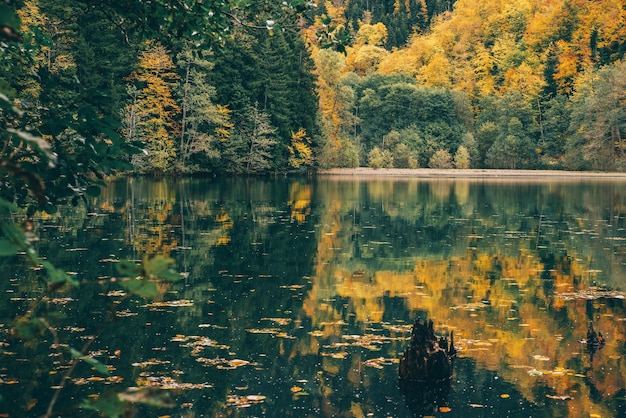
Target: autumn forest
[276,89]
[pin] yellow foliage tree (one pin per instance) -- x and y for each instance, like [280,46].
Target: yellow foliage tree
[300,153]
[155,109]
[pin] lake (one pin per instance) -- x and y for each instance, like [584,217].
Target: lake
[298,296]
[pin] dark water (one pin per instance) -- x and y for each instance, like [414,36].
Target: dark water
[298,297]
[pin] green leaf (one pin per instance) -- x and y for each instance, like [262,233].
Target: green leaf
[99,367]
[159,266]
[36,142]
[28,329]
[128,269]
[141,287]
[7,249]
[14,235]
[93,191]
[7,207]
[57,276]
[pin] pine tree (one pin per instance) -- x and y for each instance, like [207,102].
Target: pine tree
[203,122]
[261,143]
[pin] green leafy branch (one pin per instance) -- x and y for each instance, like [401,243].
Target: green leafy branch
[138,280]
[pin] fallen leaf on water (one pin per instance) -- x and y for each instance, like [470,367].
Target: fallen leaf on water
[116,293]
[379,362]
[151,362]
[238,363]
[293,287]
[169,383]
[244,401]
[340,355]
[559,397]
[263,330]
[147,395]
[279,321]
[171,303]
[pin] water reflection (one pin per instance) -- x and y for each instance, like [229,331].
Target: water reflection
[299,296]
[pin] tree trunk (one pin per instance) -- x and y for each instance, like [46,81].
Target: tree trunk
[427,359]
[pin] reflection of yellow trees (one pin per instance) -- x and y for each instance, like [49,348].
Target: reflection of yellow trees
[151,230]
[300,201]
[505,316]
[226,224]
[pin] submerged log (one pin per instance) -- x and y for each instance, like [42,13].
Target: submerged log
[427,358]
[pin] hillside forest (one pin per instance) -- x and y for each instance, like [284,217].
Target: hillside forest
[286,88]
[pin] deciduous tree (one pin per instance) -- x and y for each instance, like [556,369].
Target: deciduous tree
[156,109]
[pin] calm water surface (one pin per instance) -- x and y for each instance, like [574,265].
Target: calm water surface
[298,297]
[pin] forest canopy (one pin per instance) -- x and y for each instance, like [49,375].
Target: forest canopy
[249,88]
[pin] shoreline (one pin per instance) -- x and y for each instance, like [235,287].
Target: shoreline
[430,173]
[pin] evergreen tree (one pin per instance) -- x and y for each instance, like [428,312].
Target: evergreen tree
[261,141]
[203,123]
[104,57]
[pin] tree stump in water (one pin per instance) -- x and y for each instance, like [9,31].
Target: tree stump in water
[427,359]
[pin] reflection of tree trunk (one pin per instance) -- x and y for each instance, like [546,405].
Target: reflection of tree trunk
[130,215]
[183,235]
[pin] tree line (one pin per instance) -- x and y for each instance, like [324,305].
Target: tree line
[271,88]
[503,84]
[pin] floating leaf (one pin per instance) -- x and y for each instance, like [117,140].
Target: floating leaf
[233,364]
[169,383]
[244,401]
[559,397]
[279,321]
[171,303]
[151,396]
[151,362]
[380,362]
[263,330]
